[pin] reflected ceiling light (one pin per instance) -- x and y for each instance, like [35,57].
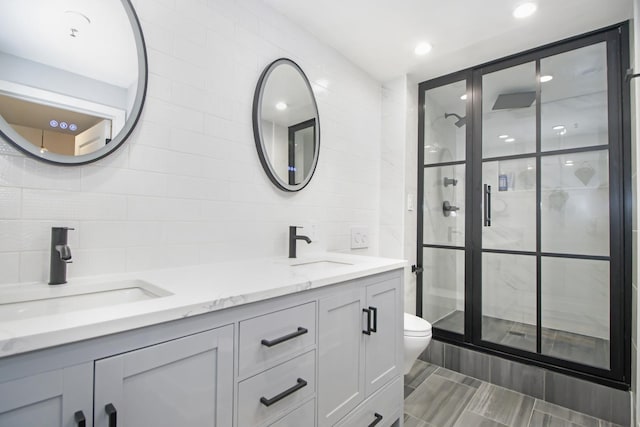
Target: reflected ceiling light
[509,140]
[546,78]
[560,130]
[525,10]
[568,163]
[422,48]
[464,97]
[53,123]
[505,136]
[281,106]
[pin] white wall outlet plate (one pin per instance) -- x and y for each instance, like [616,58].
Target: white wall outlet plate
[359,237]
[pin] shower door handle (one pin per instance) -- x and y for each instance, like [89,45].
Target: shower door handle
[487,205]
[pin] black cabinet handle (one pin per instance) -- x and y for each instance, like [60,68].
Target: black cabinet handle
[268,402]
[112,413]
[271,343]
[374,311]
[368,330]
[377,420]
[487,205]
[79,419]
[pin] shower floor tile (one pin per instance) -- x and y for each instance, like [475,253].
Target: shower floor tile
[561,344]
[446,398]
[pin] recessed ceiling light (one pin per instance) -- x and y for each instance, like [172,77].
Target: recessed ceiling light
[281,106]
[422,48]
[547,78]
[559,127]
[64,125]
[503,136]
[568,163]
[525,10]
[509,140]
[464,97]
[73,127]
[53,123]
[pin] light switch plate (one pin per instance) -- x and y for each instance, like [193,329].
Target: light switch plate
[359,237]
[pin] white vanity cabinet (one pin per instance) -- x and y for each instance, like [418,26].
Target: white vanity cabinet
[183,382]
[325,356]
[58,398]
[359,348]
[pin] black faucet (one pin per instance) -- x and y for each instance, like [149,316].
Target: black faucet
[60,255]
[293,236]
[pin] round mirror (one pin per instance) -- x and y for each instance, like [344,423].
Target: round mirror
[73,77]
[286,126]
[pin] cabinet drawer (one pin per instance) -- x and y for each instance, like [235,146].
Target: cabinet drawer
[302,417]
[386,405]
[274,337]
[270,394]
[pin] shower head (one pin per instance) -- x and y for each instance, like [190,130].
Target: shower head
[461,120]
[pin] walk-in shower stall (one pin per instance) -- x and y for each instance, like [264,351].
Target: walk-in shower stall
[524,226]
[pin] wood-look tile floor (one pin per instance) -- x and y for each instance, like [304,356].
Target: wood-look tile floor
[438,397]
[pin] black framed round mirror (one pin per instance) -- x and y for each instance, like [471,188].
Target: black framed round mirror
[286,125]
[73,80]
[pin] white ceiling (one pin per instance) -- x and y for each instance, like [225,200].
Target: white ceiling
[379,35]
[38,30]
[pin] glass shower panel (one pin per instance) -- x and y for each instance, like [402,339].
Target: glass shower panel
[444,207]
[575,203]
[443,288]
[575,310]
[510,204]
[509,112]
[574,109]
[445,110]
[509,300]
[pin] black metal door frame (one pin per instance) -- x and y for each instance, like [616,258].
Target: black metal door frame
[620,207]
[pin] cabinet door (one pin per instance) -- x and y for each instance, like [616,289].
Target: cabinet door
[341,355]
[187,381]
[48,399]
[383,346]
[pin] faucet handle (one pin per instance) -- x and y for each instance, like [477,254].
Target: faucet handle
[65,253]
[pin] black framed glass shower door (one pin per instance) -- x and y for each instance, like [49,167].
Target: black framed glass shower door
[529,261]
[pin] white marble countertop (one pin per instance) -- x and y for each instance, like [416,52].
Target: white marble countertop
[195,290]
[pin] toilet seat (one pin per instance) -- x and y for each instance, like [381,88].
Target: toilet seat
[415,326]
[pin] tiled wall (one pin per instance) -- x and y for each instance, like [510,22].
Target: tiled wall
[573,393]
[187,187]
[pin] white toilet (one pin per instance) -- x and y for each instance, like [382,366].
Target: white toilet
[417,335]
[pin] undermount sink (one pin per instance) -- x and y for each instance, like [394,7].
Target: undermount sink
[45,300]
[317,265]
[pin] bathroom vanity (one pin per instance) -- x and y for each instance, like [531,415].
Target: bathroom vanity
[306,342]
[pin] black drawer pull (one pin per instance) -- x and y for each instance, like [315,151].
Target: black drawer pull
[368,330]
[112,413]
[271,343]
[268,402]
[374,310]
[79,419]
[487,205]
[377,420]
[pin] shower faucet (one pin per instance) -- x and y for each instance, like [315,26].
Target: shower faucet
[450,181]
[448,208]
[293,238]
[60,255]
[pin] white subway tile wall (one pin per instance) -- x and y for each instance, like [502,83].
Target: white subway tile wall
[187,187]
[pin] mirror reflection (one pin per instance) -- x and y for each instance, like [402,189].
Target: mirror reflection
[72,77]
[286,125]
